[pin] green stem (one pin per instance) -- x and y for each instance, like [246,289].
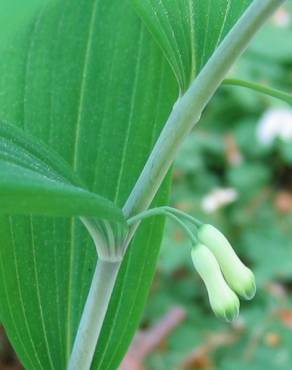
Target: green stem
[93,315]
[159,211]
[191,219]
[188,109]
[164,211]
[275,93]
[192,237]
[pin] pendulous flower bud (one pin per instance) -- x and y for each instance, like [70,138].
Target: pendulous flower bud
[223,300]
[238,276]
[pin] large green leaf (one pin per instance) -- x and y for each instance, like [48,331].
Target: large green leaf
[87,78]
[96,89]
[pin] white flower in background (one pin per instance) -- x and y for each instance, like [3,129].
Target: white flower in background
[275,123]
[218,198]
[282,18]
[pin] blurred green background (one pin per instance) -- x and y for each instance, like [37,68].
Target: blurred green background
[235,171]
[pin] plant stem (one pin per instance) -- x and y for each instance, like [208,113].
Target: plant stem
[197,223]
[191,236]
[164,211]
[275,93]
[93,315]
[188,109]
[185,114]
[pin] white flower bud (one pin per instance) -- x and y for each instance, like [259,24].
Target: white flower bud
[239,277]
[223,300]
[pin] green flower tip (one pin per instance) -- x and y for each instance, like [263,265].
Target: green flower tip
[227,307]
[246,286]
[224,302]
[238,276]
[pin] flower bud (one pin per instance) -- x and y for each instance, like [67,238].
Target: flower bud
[223,300]
[238,276]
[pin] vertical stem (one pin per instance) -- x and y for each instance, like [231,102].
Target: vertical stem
[93,315]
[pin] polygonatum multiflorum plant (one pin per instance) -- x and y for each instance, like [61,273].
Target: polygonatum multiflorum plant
[96,98]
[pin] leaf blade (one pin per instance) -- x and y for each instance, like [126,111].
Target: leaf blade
[188,48]
[50,114]
[35,180]
[25,192]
